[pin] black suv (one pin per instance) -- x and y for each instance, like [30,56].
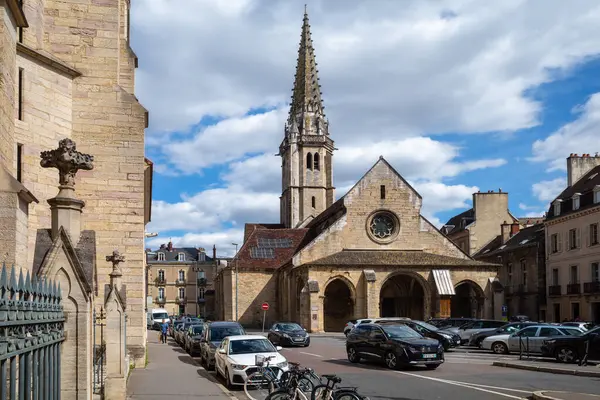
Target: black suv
[568,349]
[395,344]
[448,339]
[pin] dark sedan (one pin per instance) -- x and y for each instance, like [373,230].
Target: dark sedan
[568,349]
[448,339]
[192,339]
[395,344]
[478,337]
[288,334]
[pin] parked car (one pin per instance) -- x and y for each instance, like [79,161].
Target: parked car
[180,333]
[520,318]
[453,323]
[586,326]
[236,358]
[446,338]
[396,345]
[477,338]
[353,322]
[173,328]
[288,334]
[212,336]
[192,339]
[481,325]
[569,349]
[528,339]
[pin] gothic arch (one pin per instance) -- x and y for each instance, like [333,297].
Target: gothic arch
[468,301]
[309,161]
[316,163]
[339,300]
[405,294]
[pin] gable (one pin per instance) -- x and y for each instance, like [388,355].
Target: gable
[381,191]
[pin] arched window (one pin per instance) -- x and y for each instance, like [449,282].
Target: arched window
[161,256]
[314,202]
[316,162]
[309,161]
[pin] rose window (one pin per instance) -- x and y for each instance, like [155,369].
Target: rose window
[382,226]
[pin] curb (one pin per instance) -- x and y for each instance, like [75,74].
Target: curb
[214,380]
[541,395]
[550,370]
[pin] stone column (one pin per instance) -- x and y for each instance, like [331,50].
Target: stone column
[65,208]
[116,360]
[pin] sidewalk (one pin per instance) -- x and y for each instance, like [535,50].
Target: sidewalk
[549,366]
[172,373]
[549,395]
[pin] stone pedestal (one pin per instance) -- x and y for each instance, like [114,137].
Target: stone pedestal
[115,387]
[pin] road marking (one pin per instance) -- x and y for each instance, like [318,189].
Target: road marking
[310,354]
[460,384]
[496,387]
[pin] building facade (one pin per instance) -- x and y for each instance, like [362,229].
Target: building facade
[68,73]
[181,280]
[522,275]
[572,244]
[370,253]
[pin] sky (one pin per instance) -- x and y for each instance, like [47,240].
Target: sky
[458,95]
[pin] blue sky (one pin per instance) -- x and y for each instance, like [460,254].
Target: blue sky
[495,96]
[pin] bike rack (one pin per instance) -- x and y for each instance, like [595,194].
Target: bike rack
[523,346]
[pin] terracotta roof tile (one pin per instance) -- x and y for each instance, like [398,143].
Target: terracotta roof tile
[269,248]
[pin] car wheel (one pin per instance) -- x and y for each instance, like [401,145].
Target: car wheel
[432,366]
[566,355]
[499,348]
[228,383]
[391,360]
[353,356]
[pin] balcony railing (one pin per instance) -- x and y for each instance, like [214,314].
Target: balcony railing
[202,282]
[160,300]
[554,290]
[591,287]
[180,282]
[574,288]
[181,300]
[160,281]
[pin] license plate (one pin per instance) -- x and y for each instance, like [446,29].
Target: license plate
[299,339]
[429,355]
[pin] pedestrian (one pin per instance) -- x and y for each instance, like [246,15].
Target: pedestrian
[164,328]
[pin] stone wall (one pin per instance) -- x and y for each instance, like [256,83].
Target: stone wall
[7,86]
[491,210]
[254,288]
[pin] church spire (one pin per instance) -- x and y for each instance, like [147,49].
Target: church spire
[307,92]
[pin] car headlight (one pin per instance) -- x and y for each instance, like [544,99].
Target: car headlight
[239,367]
[282,364]
[285,335]
[445,335]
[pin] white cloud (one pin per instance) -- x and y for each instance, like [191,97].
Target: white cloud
[579,136]
[222,239]
[440,197]
[548,190]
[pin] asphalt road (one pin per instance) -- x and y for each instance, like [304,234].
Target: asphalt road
[466,375]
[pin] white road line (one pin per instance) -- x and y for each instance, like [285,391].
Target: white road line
[310,354]
[460,384]
[496,387]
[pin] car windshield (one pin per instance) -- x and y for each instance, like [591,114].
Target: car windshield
[249,346]
[197,329]
[160,315]
[217,334]
[400,331]
[428,326]
[289,327]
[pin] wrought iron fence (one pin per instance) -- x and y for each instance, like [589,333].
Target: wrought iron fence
[99,359]
[31,333]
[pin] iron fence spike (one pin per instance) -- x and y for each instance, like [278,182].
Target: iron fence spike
[12,283]
[59,292]
[3,279]
[27,288]
[20,283]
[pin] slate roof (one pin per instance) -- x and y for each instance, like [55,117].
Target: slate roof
[456,224]
[268,248]
[526,221]
[585,186]
[396,258]
[192,254]
[526,237]
[85,250]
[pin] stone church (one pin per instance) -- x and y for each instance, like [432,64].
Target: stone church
[370,253]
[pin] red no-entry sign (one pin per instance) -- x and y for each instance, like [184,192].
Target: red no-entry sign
[265,306]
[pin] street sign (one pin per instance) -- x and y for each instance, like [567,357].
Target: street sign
[265,306]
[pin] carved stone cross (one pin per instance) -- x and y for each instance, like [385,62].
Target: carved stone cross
[115,258]
[67,160]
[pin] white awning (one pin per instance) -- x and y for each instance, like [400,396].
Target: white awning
[443,282]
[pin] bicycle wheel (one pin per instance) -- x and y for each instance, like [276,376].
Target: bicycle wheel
[346,395]
[258,386]
[321,392]
[279,395]
[305,385]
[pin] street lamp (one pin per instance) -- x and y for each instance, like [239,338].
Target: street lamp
[236,281]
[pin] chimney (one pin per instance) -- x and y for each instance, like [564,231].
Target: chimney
[489,204]
[505,230]
[163,246]
[65,208]
[214,252]
[514,228]
[578,166]
[170,246]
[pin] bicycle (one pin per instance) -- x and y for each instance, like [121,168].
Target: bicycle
[263,381]
[295,385]
[328,391]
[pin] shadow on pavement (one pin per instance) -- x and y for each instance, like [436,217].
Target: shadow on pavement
[187,360]
[374,366]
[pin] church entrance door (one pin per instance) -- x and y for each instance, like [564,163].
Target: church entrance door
[468,301]
[402,296]
[338,306]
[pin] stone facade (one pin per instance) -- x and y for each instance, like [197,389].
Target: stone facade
[68,72]
[181,280]
[573,245]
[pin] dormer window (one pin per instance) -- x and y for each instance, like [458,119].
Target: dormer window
[557,208]
[161,256]
[576,201]
[181,257]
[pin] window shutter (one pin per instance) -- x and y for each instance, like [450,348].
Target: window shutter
[578,238]
[559,242]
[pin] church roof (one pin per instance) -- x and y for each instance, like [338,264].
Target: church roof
[307,90]
[396,258]
[268,248]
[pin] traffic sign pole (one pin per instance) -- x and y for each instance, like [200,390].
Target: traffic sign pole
[265,307]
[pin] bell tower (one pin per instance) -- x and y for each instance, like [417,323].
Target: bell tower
[306,150]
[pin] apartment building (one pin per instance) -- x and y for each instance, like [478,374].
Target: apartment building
[572,244]
[181,280]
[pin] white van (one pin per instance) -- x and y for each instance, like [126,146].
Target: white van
[158,314]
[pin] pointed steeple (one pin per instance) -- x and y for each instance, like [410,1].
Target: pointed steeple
[306,95]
